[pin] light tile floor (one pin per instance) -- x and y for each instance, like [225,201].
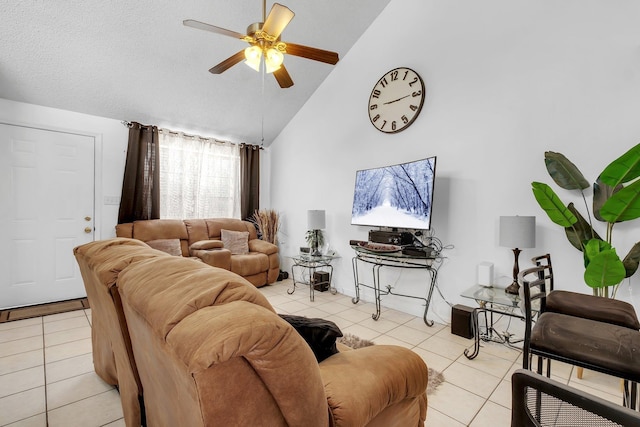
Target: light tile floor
[47,378]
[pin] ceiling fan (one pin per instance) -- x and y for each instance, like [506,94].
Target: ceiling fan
[265,45]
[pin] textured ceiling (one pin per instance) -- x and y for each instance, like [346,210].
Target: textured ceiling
[135,61]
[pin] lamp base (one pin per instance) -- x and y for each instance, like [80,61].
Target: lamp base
[513,288]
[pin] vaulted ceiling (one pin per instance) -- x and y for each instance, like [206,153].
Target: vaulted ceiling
[135,61]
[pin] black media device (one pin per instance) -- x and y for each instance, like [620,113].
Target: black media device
[416,252]
[461,321]
[400,238]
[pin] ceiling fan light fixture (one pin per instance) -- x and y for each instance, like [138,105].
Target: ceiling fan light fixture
[253,55]
[273,60]
[265,45]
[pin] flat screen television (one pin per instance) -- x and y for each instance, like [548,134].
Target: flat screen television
[398,196]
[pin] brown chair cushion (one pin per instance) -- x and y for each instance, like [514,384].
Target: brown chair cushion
[249,264]
[612,347]
[602,309]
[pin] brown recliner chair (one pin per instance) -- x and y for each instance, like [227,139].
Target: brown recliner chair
[100,263]
[210,350]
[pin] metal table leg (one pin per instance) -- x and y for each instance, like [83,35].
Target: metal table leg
[354,264]
[376,291]
[476,334]
[312,274]
[432,285]
[293,277]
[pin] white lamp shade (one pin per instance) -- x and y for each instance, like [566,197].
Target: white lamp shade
[315,220]
[518,231]
[273,60]
[253,56]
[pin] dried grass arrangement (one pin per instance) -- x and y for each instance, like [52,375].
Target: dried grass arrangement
[268,223]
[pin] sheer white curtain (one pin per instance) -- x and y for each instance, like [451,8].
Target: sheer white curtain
[199,178]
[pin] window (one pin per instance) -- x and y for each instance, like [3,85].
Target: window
[199,178]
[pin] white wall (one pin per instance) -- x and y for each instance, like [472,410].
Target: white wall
[506,81]
[111,145]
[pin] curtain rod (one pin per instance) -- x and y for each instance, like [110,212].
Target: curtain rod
[202,138]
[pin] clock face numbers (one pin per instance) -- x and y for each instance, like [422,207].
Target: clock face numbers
[396,100]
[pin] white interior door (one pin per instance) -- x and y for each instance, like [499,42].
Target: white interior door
[47,200]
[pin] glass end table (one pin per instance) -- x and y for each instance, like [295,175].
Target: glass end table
[490,300]
[309,264]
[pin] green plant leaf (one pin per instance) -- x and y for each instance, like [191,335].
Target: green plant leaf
[314,237]
[594,247]
[552,205]
[564,173]
[604,269]
[632,260]
[580,232]
[624,205]
[623,169]
[601,193]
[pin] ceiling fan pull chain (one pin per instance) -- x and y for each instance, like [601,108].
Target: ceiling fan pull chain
[262,124]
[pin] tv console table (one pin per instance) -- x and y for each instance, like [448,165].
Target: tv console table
[379,260]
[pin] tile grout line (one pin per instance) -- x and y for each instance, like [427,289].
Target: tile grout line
[44,371]
[488,399]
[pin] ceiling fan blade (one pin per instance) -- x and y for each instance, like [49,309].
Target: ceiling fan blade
[227,63]
[208,27]
[278,18]
[283,77]
[312,53]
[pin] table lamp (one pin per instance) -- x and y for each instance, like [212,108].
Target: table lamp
[517,232]
[315,223]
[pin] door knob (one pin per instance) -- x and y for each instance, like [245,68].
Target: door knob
[87,230]
[87,218]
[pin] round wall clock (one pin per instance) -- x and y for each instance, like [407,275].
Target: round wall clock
[396,100]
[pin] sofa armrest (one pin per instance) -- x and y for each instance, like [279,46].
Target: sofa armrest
[220,258]
[206,244]
[361,383]
[278,355]
[257,245]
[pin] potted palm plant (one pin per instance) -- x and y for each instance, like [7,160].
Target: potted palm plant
[616,198]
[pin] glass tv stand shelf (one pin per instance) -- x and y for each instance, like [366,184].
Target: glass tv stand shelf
[379,260]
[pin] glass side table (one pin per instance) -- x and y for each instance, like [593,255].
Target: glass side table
[491,300]
[307,265]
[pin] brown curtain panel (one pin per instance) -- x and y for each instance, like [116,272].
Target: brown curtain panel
[249,180]
[141,184]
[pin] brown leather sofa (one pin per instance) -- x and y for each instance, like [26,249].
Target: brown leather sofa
[202,238]
[208,349]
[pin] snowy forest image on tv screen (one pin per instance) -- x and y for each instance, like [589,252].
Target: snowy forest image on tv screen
[396,196]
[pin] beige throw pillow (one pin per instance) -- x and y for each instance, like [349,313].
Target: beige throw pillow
[170,246]
[236,241]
